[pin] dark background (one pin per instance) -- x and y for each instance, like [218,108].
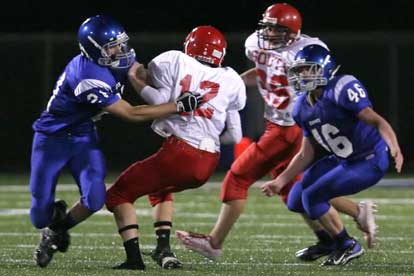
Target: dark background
[229,16]
[373,40]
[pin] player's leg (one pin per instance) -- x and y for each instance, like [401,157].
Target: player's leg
[159,174]
[88,169]
[163,209]
[137,180]
[363,215]
[325,244]
[254,163]
[177,177]
[345,179]
[47,160]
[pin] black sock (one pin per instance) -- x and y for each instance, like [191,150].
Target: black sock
[163,238]
[324,237]
[132,251]
[343,240]
[65,224]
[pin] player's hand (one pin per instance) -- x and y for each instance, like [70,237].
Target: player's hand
[138,70]
[398,159]
[271,188]
[188,101]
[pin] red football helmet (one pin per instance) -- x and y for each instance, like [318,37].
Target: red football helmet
[279,27]
[206,44]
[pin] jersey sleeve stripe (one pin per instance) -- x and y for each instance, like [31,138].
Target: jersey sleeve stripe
[340,85]
[88,84]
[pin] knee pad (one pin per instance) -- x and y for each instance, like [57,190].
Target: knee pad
[246,170]
[95,200]
[95,204]
[294,199]
[313,206]
[233,188]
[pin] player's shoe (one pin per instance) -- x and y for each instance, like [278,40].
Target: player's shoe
[366,221]
[130,266]
[343,256]
[46,248]
[314,252]
[166,259]
[199,243]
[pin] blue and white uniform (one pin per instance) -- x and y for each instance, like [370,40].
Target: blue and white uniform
[65,135]
[359,156]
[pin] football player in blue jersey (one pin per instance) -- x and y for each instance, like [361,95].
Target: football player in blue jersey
[336,113]
[65,133]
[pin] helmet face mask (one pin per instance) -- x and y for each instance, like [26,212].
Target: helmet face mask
[105,42]
[306,76]
[117,53]
[279,27]
[273,36]
[313,67]
[206,44]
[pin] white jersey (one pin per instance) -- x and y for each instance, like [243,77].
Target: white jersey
[271,69]
[173,73]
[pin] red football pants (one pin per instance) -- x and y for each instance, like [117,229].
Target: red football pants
[271,154]
[175,167]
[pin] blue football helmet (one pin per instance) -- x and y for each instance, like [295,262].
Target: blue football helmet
[313,67]
[99,33]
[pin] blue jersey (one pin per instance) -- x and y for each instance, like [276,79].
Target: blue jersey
[332,120]
[79,95]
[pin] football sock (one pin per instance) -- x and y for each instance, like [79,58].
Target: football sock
[324,237]
[65,224]
[132,251]
[163,235]
[163,238]
[343,240]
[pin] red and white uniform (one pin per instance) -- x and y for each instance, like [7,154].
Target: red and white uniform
[190,153]
[271,69]
[282,138]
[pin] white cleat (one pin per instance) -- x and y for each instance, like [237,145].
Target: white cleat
[198,243]
[366,221]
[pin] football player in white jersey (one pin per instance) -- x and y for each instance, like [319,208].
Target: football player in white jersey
[272,48]
[191,149]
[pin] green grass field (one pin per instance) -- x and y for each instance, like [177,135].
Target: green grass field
[263,241]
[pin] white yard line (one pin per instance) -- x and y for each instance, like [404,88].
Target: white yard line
[267,238]
[400,182]
[209,263]
[148,213]
[178,247]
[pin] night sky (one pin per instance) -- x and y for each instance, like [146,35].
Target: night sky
[182,16]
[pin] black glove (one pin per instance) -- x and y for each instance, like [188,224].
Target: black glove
[188,101]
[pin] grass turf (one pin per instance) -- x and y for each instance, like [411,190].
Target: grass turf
[263,241]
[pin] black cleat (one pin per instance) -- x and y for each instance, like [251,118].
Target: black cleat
[130,266]
[314,252]
[46,248]
[62,239]
[343,256]
[166,259]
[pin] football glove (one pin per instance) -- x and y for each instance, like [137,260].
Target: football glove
[188,101]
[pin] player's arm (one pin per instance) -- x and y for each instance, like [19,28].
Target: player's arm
[233,132]
[140,113]
[298,164]
[249,77]
[138,76]
[369,116]
[185,103]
